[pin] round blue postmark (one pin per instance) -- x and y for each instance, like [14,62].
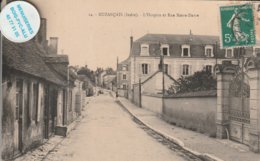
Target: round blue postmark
[19,21]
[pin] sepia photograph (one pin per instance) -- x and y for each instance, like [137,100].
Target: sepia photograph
[119,80]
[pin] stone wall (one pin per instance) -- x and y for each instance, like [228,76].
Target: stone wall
[194,113]
[152,103]
[225,74]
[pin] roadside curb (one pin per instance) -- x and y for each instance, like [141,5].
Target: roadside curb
[203,156]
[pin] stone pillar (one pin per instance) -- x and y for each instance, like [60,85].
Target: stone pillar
[254,132]
[225,75]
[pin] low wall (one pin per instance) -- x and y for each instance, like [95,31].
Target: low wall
[196,113]
[152,103]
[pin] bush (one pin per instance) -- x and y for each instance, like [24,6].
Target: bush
[199,81]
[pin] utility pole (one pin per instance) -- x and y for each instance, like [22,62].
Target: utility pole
[140,92]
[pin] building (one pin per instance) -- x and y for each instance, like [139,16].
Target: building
[108,81]
[182,55]
[40,94]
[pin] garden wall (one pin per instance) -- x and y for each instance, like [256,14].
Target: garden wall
[194,112]
[152,103]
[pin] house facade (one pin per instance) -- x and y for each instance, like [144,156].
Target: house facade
[40,94]
[183,55]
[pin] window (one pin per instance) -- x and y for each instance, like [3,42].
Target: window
[185,51]
[145,50]
[256,51]
[124,86]
[165,50]
[209,51]
[124,76]
[185,69]
[144,68]
[166,68]
[209,68]
[35,101]
[229,53]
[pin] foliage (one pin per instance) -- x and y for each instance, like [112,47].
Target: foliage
[199,81]
[110,71]
[87,72]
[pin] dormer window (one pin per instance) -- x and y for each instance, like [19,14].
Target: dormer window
[229,53]
[209,51]
[256,51]
[165,50]
[185,51]
[144,50]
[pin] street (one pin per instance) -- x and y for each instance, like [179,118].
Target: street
[107,133]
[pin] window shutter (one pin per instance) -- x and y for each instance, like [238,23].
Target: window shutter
[39,103]
[149,68]
[190,72]
[181,70]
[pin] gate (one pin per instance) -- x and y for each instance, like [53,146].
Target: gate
[239,113]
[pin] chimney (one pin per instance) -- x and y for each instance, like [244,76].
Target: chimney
[53,46]
[42,34]
[131,42]
[190,35]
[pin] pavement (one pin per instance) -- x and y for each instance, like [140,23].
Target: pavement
[49,145]
[197,143]
[108,133]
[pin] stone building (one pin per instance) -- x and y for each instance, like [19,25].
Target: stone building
[40,94]
[183,55]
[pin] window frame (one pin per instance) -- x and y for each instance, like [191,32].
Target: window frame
[165,46]
[212,51]
[144,69]
[187,71]
[182,50]
[254,50]
[211,68]
[232,53]
[124,76]
[144,53]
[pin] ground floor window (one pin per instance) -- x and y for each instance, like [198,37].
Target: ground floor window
[209,68]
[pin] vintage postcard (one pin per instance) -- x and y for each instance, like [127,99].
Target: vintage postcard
[118,80]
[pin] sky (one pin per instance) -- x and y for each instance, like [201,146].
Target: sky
[97,41]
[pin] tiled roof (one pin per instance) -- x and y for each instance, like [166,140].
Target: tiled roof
[27,58]
[197,44]
[178,39]
[61,70]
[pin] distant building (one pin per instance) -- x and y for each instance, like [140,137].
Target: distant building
[183,56]
[108,80]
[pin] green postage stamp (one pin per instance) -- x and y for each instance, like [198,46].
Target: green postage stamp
[237,26]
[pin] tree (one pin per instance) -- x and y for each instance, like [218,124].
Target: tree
[87,72]
[110,71]
[199,81]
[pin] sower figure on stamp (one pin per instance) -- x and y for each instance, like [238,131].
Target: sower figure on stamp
[235,24]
